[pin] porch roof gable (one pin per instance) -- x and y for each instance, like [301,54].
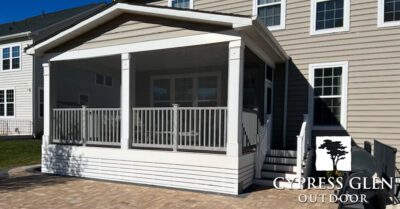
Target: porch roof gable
[243,24]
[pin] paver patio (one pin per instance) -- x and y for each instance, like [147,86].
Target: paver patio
[26,190]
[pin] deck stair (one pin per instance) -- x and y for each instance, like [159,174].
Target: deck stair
[279,163]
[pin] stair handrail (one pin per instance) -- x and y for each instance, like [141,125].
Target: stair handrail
[264,138]
[302,143]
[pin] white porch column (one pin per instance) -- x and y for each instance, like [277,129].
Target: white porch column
[235,95]
[46,105]
[125,101]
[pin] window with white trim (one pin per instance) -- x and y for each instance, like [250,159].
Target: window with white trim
[329,95]
[7,103]
[182,4]
[388,13]
[10,58]
[328,16]
[104,80]
[271,13]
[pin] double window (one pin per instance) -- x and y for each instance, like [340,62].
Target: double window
[271,13]
[7,102]
[10,58]
[104,80]
[329,96]
[328,16]
[388,13]
[190,90]
[182,4]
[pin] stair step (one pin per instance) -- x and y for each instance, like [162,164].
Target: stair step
[280,160]
[274,174]
[281,168]
[282,153]
[281,184]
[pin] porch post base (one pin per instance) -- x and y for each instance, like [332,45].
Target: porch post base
[233,149]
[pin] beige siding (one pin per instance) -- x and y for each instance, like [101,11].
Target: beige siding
[242,7]
[132,28]
[374,68]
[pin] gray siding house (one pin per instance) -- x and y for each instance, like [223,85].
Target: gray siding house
[217,95]
[21,77]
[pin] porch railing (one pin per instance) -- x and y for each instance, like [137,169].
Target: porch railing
[16,128]
[303,140]
[184,128]
[86,126]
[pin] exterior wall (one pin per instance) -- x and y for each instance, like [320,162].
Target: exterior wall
[37,85]
[374,65]
[133,28]
[71,82]
[21,81]
[374,68]
[193,171]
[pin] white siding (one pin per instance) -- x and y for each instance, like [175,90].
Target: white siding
[21,80]
[195,171]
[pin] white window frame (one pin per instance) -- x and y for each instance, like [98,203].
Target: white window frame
[195,77]
[83,94]
[10,46]
[40,89]
[104,80]
[346,19]
[381,16]
[344,94]
[5,103]
[191,4]
[283,13]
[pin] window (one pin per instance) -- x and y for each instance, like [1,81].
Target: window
[183,4]
[99,79]
[84,99]
[329,16]
[7,103]
[41,103]
[328,98]
[11,58]
[271,12]
[388,13]
[207,91]
[161,93]
[185,90]
[104,80]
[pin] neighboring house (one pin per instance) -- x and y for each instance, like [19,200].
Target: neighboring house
[250,101]
[21,80]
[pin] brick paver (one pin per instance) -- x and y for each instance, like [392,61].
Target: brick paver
[26,190]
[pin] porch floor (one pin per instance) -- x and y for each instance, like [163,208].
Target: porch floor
[27,190]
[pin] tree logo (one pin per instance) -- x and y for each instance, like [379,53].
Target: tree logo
[333,153]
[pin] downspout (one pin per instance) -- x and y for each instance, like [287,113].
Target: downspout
[285,101]
[33,90]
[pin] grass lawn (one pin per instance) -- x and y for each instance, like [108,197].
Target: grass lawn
[14,153]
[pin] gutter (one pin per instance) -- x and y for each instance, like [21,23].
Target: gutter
[17,35]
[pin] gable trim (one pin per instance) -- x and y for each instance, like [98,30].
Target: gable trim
[194,40]
[119,8]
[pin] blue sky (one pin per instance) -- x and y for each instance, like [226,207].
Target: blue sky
[15,10]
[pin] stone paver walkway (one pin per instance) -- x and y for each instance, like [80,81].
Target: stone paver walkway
[26,190]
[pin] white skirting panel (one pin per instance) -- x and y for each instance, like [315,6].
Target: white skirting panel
[194,171]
